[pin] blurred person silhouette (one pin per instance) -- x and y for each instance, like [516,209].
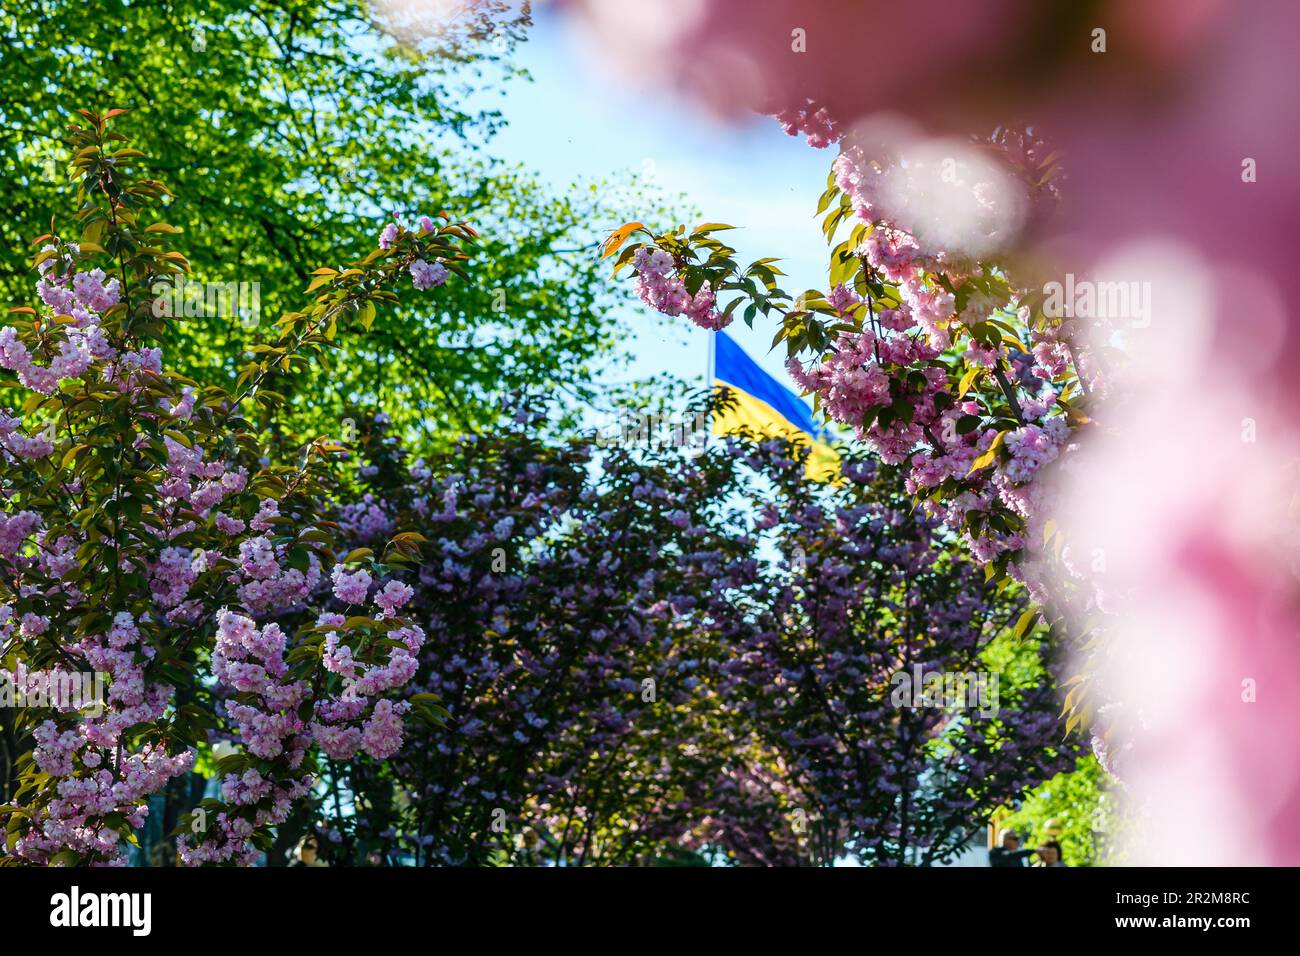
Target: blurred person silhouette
[1008,853]
[1050,854]
[305,853]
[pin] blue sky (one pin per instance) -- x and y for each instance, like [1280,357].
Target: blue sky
[572,122]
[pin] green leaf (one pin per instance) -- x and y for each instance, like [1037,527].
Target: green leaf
[989,456]
[367,315]
[1025,622]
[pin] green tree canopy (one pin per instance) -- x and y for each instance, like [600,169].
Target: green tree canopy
[289,131]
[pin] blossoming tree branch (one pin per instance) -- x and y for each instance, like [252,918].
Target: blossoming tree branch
[930,348]
[146,537]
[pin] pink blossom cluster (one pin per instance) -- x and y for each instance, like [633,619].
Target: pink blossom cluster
[814,122]
[15,529]
[855,379]
[424,274]
[267,582]
[98,776]
[427,275]
[371,680]
[15,443]
[660,288]
[81,297]
[1032,447]
[365,520]
[90,772]
[250,661]
[350,587]
[892,364]
[253,802]
[266,712]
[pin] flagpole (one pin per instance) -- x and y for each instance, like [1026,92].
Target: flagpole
[708,362]
[709,375]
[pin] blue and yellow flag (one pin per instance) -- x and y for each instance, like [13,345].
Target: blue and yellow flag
[767,407]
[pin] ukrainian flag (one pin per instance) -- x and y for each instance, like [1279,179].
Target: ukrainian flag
[766,407]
